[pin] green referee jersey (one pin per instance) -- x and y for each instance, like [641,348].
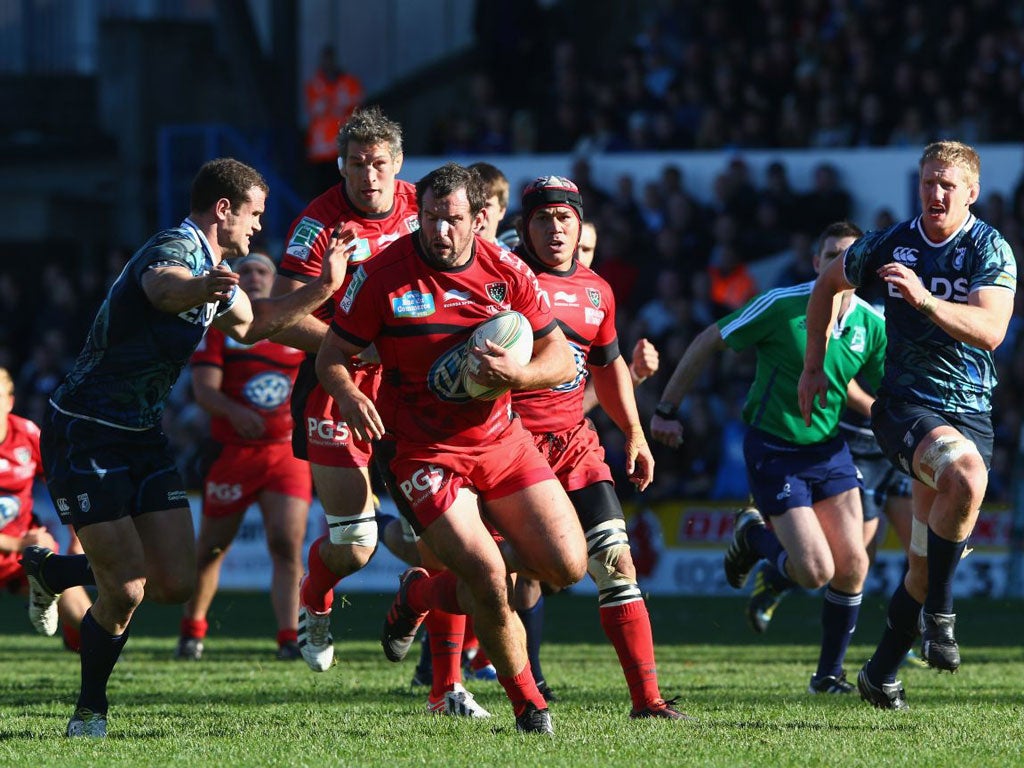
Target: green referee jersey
[774,323]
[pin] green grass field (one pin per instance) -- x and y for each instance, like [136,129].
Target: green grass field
[240,707]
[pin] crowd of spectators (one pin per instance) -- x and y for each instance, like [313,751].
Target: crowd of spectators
[729,74]
[741,74]
[676,263]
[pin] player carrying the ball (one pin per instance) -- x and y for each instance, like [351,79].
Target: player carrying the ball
[456,461]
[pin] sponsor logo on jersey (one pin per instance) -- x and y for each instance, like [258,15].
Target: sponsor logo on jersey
[305,234]
[498,292]
[5,465]
[595,297]
[413,304]
[424,482]
[859,339]
[325,431]
[593,316]
[361,252]
[904,255]
[453,297]
[202,315]
[388,238]
[785,493]
[579,357]
[353,289]
[941,288]
[223,493]
[62,505]
[10,506]
[958,258]
[444,378]
[412,223]
[267,390]
[84,502]
[563,298]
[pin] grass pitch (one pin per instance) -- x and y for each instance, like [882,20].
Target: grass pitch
[240,707]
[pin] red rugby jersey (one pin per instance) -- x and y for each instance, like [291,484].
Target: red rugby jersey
[259,377]
[584,306]
[311,231]
[20,465]
[420,319]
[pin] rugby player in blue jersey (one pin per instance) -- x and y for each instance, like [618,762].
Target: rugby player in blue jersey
[949,281]
[109,468]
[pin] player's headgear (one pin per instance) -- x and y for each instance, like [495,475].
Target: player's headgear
[551,190]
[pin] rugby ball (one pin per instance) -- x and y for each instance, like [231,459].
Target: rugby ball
[509,330]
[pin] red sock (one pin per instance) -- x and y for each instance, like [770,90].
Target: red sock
[317,592]
[194,628]
[521,690]
[435,593]
[72,638]
[445,632]
[628,626]
[285,636]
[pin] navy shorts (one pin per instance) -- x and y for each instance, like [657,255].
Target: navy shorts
[901,426]
[97,473]
[785,475]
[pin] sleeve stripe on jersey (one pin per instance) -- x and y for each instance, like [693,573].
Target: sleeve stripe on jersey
[361,343]
[542,332]
[284,272]
[759,304]
[606,355]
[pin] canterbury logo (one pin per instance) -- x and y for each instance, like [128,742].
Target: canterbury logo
[907,256]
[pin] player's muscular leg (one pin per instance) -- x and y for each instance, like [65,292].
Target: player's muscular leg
[346,497]
[284,519]
[116,557]
[810,562]
[951,464]
[215,537]
[543,531]
[169,542]
[461,541]
[841,522]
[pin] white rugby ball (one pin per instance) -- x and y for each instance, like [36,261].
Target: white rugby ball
[509,330]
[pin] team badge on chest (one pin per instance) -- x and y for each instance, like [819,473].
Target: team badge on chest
[497,292]
[595,297]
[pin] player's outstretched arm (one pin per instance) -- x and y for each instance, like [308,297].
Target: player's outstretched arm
[665,427]
[265,317]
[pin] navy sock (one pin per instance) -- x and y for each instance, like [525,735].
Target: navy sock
[943,558]
[775,577]
[899,634]
[425,666]
[99,651]
[63,571]
[838,621]
[533,621]
[764,541]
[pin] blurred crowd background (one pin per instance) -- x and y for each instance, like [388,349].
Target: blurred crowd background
[689,75]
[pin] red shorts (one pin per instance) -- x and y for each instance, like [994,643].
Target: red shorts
[328,440]
[242,472]
[430,476]
[575,455]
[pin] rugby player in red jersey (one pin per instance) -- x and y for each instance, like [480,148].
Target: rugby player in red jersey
[245,389]
[454,461]
[584,307]
[377,209]
[20,465]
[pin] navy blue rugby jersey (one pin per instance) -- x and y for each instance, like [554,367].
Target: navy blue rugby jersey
[134,353]
[923,363]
